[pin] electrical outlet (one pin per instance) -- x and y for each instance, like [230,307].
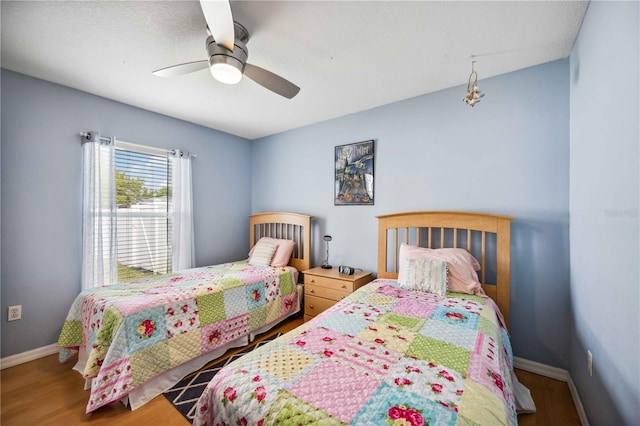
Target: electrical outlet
[590,363]
[15,313]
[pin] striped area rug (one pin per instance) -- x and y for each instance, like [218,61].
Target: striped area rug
[185,394]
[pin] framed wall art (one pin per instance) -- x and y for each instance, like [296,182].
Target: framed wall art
[354,174]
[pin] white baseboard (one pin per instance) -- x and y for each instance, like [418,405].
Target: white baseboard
[578,402]
[541,369]
[23,357]
[557,374]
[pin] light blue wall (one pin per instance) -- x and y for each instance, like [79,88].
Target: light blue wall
[508,155]
[604,184]
[41,195]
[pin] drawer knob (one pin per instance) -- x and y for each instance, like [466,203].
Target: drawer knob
[343,286]
[312,280]
[310,306]
[311,291]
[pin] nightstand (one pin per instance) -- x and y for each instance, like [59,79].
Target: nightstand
[324,287]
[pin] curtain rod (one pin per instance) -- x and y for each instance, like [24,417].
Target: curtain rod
[90,136]
[95,136]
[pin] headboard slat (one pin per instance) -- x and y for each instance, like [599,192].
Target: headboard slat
[395,250]
[484,256]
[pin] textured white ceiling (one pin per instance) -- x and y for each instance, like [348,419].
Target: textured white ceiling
[345,56]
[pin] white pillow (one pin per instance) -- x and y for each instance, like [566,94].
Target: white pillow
[262,253]
[461,265]
[428,275]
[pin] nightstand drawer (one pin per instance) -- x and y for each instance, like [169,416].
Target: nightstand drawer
[314,305]
[329,283]
[327,293]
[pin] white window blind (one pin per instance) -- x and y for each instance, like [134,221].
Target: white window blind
[143,200]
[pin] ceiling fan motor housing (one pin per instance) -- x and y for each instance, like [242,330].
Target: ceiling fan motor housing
[220,54]
[236,58]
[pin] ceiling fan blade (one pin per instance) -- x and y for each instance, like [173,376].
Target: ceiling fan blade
[220,21]
[182,69]
[271,81]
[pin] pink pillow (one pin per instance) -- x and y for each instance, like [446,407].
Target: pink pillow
[283,251]
[461,265]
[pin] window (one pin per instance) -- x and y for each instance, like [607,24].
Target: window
[137,215]
[144,223]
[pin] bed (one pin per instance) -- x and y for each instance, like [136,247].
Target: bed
[137,339]
[387,354]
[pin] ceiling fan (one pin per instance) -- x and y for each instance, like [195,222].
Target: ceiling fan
[226,46]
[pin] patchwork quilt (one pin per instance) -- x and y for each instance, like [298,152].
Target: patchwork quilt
[382,356]
[135,331]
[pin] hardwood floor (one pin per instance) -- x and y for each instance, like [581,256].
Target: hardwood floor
[45,392]
[554,404]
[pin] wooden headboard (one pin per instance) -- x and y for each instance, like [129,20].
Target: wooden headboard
[289,226]
[487,237]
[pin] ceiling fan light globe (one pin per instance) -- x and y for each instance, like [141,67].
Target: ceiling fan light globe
[226,73]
